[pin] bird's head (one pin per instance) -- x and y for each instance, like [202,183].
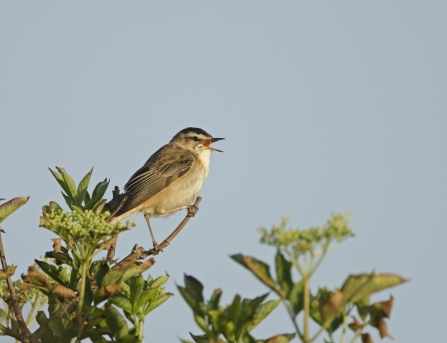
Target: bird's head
[195,140]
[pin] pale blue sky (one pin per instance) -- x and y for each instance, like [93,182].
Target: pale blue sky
[325,106]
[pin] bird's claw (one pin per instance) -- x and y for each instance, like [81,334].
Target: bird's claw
[192,210]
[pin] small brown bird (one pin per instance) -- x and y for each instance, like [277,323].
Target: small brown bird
[170,179]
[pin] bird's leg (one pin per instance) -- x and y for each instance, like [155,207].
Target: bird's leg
[146,216]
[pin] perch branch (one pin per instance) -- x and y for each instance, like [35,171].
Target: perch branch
[179,228]
[15,303]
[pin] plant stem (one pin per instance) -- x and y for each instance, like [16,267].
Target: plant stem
[306,308]
[345,325]
[82,287]
[15,303]
[292,317]
[31,313]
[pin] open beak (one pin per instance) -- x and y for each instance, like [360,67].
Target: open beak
[207,144]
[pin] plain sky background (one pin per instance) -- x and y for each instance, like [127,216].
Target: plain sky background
[325,106]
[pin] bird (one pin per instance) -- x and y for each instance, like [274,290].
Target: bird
[169,180]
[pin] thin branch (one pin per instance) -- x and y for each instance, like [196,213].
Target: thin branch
[179,228]
[15,303]
[111,250]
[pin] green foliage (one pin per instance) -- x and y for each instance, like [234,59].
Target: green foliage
[11,206]
[106,301]
[234,322]
[303,251]
[74,285]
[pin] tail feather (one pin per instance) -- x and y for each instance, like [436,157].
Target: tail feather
[116,204]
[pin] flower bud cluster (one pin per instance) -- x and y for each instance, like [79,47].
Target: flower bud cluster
[84,225]
[336,229]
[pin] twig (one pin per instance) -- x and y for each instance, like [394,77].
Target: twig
[111,250]
[15,303]
[179,228]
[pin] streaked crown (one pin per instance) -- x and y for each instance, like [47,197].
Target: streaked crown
[192,133]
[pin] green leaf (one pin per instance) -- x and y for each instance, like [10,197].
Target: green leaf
[121,302]
[74,279]
[11,206]
[98,193]
[116,322]
[201,322]
[136,285]
[99,206]
[194,287]
[51,271]
[67,200]
[61,181]
[190,300]
[260,269]
[3,316]
[62,256]
[200,338]
[363,307]
[149,296]
[296,297]
[158,302]
[283,273]
[215,299]
[262,312]
[41,318]
[100,270]
[71,191]
[357,287]
[88,297]
[86,199]
[82,188]
[161,280]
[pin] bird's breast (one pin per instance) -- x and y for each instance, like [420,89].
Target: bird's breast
[178,194]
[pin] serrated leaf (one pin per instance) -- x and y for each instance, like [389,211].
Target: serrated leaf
[357,287]
[283,273]
[260,269]
[82,188]
[262,312]
[11,206]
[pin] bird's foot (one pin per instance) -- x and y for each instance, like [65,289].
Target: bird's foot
[192,210]
[156,247]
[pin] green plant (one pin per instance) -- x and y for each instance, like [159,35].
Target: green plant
[100,299]
[234,322]
[304,251]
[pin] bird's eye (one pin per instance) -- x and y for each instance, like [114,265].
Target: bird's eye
[196,139]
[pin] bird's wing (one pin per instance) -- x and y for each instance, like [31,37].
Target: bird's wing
[152,178]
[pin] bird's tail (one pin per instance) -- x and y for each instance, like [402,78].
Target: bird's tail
[115,205]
